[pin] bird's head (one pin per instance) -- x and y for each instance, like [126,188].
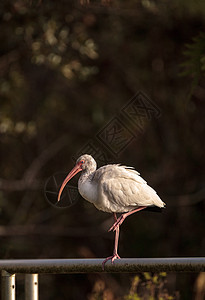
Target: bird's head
[85,163]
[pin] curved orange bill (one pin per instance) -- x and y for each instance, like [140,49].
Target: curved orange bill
[72,173]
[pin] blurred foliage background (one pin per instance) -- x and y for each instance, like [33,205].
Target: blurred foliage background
[66,69]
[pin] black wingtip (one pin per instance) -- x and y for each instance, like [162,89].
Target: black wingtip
[154,209]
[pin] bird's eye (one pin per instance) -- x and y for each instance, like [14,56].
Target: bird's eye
[82,161]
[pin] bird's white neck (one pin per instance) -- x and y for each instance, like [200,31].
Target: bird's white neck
[85,175]
[87,187]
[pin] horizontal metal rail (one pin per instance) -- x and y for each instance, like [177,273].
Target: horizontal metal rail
[125,265]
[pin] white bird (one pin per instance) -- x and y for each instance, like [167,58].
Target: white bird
[113,189]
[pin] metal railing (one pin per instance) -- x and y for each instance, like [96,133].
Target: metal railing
[32,267]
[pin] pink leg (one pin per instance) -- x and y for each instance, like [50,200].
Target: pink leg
[121,219]
[115,254]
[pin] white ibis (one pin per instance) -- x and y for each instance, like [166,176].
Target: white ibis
[113,189]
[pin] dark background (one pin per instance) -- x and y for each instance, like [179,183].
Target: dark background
[67,68]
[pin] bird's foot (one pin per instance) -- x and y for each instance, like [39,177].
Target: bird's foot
[112,258]
[117,223]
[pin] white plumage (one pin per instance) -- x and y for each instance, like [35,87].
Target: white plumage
[113,189]
[121,189]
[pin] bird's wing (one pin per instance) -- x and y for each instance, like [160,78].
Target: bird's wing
[123,187]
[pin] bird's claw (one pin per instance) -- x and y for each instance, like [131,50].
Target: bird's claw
[112,258]
[116,224]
